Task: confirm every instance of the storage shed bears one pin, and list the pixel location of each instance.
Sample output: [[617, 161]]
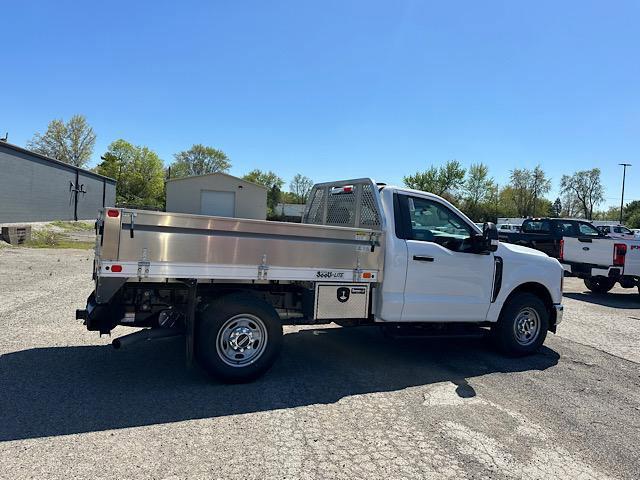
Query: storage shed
[[217, 194], [36, 188]]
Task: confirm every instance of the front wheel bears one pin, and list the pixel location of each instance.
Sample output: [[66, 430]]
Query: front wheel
[[523, 325], [238, 338], [599, 284]]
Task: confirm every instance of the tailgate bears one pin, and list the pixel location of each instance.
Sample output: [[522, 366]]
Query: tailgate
[[592, 251], [632, 259]]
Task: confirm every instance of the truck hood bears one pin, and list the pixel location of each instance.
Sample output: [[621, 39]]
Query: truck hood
[[520, 250]]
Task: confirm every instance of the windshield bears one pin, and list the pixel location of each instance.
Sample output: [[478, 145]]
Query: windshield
[[588, 230], [536, 226]]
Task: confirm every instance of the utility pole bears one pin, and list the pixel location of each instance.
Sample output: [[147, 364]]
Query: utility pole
[[624, 174]]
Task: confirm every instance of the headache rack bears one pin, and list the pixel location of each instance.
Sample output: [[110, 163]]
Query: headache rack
[[345, 203]]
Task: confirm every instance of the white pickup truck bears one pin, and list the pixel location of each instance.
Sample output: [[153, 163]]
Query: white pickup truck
[[365, 254], [602, 261]]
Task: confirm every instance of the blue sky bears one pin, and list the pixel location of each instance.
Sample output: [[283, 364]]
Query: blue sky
[[338, 89]]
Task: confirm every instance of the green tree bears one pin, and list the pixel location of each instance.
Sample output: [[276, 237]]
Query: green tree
[[477, 190], [444, 181], [631, 214], [70, 142], [544, 208], [273, 182], [300, 187], [570, 205], [556, 208], [288, 197], [587, 188], [139, 174], [199, 160], [507, 203], [611, 213], [492, 204], [527, 187]]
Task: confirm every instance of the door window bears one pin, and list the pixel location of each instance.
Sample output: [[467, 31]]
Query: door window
[[430, 221], [536, 226], [565, 229], [587, 230]]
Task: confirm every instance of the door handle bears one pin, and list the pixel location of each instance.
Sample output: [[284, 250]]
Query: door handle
[[584, 240], [422, 258]]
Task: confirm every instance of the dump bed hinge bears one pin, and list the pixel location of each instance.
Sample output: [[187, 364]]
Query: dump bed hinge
[[263, 268], [374, 240], [144, 264]]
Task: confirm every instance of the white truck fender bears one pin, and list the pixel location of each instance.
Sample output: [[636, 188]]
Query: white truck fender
[[535, 276]]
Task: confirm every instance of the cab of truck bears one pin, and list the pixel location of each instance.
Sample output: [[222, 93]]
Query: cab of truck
[[546, 234], [437, 268]]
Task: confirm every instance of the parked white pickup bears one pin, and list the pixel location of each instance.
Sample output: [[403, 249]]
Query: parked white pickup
[[602, 261]]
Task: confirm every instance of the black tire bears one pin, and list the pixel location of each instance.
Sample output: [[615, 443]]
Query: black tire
[[599, 284], [252, 324], [516, 316]]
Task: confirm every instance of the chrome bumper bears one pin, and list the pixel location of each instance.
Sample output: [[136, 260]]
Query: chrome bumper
[[559, 312]]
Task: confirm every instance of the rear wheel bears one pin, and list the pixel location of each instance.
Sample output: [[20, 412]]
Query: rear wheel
[[599, 284], [238, 338], [523, 325]]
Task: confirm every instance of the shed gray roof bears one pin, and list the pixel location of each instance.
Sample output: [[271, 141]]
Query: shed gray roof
[[11, 146], [237, 179]]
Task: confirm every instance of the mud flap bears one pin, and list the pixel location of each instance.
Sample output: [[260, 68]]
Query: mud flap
[[191, 319]]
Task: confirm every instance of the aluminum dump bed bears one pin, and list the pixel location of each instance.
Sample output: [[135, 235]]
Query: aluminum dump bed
[[334, 245]]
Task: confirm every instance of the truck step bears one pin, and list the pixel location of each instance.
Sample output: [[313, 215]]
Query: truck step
[[435, 331]]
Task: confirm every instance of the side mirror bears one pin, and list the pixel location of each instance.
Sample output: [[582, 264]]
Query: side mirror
[[490, 234]]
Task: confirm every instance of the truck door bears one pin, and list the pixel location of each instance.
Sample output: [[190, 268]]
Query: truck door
[[564, 229], [445, 280]]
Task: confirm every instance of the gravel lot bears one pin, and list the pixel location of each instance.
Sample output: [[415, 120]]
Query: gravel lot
[[339, 403]]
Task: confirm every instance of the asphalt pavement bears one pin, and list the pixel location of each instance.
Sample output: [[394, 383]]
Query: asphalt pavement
[[339, 402]]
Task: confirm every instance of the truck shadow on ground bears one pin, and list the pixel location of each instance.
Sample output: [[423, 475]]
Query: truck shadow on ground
[[66, 390], [615, 300]]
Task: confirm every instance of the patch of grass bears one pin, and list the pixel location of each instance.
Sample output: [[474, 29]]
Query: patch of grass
[[69, 226], [51, 239]]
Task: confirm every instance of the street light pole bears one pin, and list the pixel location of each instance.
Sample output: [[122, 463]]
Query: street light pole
[[624, 174]]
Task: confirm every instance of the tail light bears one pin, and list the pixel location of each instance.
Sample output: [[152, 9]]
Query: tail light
[[113, 213], [619, 252], [561, 253]]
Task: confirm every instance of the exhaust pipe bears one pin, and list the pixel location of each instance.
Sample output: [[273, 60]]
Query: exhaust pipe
[[145, 334]]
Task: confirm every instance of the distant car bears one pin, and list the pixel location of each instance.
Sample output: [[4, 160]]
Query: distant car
[[636, 231], [617, 231], [509, 227]]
